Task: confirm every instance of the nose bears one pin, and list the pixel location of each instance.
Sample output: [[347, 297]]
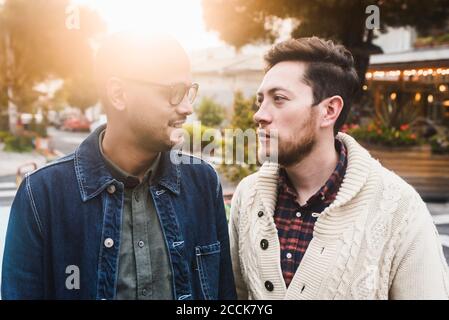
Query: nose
[[185, 108], [262, 116]]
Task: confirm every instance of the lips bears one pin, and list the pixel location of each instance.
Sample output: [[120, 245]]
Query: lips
[[177, 124]]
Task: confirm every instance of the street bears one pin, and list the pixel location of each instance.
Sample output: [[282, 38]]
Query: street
[[66, 142]]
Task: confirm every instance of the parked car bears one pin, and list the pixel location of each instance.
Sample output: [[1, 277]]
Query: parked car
[[101, 120], [76, 124]]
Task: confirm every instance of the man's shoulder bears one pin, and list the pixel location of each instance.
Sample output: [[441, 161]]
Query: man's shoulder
[[392, 182], [399, 197], [197, 170], [60, 167]]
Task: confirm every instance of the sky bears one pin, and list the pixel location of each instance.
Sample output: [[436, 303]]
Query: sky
[[180, 18]]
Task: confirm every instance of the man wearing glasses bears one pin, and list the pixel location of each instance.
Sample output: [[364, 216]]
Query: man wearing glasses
[[117, 219]]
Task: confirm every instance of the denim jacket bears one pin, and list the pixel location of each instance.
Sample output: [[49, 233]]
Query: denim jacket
[[63, 236]]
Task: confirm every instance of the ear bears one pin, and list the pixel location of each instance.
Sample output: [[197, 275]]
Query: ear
[[331, 109], [115, 90]]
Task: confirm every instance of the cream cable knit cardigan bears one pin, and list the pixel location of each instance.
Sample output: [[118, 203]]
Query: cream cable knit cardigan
[[375, 241]]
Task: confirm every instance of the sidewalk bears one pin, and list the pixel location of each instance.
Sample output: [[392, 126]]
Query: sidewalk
[[10, 161]]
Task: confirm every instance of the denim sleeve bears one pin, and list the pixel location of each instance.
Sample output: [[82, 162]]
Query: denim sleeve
[[226, 289], [22, 272]]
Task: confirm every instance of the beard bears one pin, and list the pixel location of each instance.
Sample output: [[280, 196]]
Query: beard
[[294, 150]]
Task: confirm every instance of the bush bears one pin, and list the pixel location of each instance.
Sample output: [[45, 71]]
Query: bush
[[378, 134], [20, 143], [210, 113], [4, 135]]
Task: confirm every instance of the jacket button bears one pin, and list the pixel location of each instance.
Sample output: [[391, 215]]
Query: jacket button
[[269, 285], [108, 243], [264, 244], [111, 189], [260, 214]]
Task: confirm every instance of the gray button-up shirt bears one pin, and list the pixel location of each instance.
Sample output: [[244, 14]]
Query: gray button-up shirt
[[144, 267]]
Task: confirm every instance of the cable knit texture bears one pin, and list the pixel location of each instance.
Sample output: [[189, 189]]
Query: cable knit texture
[[377, 239]]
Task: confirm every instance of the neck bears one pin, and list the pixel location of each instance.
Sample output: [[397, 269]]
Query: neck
[[122, 151], [309, 175]]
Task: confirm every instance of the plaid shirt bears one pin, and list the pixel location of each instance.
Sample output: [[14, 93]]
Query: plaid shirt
[[295, 223]]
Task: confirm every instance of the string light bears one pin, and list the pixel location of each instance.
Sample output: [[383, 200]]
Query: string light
[[407, 73]]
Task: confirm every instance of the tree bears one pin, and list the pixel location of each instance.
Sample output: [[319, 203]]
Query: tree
[[247, 21], [242, 118], [210, 113], [244, 110], [39, 46]]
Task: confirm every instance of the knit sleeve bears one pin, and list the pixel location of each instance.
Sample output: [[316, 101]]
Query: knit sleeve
[[422, 271]]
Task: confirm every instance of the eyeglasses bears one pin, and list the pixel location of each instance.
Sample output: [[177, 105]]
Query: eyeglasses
[[177, 92]]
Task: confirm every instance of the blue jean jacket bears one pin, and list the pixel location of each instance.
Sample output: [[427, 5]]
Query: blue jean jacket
[[64, 229]]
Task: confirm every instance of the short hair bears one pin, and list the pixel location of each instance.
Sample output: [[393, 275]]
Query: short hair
[[329, 69]]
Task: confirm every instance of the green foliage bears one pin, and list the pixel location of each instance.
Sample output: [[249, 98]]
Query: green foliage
[[4, 135], [244, 110], [20, 143], [393, 115], [210, 113]]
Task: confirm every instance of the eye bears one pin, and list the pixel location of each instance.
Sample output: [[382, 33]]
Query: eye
[[278, 98], [259, 101]]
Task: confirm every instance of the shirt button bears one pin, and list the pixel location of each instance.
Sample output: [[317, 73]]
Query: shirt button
[[288, 255], [264, 244], [141, 243], [269, 285], [298, 214], [108, 243], [111, 189], [260, 214]]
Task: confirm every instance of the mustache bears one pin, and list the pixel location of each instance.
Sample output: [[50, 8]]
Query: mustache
[[265, 133]]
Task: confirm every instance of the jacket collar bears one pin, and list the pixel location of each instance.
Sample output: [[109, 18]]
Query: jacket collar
[[355, 177], [93, 176]]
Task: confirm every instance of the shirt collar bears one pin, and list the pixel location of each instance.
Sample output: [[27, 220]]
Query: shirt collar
[[93, 176], [129, 180]]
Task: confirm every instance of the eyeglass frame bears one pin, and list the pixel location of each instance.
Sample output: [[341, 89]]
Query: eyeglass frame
[[170, 87]]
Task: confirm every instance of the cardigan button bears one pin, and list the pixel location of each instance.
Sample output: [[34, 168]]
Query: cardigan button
[[264, 244], [269, 285], [260, 214]]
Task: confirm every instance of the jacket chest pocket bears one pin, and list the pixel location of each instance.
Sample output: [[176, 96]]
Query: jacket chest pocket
[[208, 267]]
